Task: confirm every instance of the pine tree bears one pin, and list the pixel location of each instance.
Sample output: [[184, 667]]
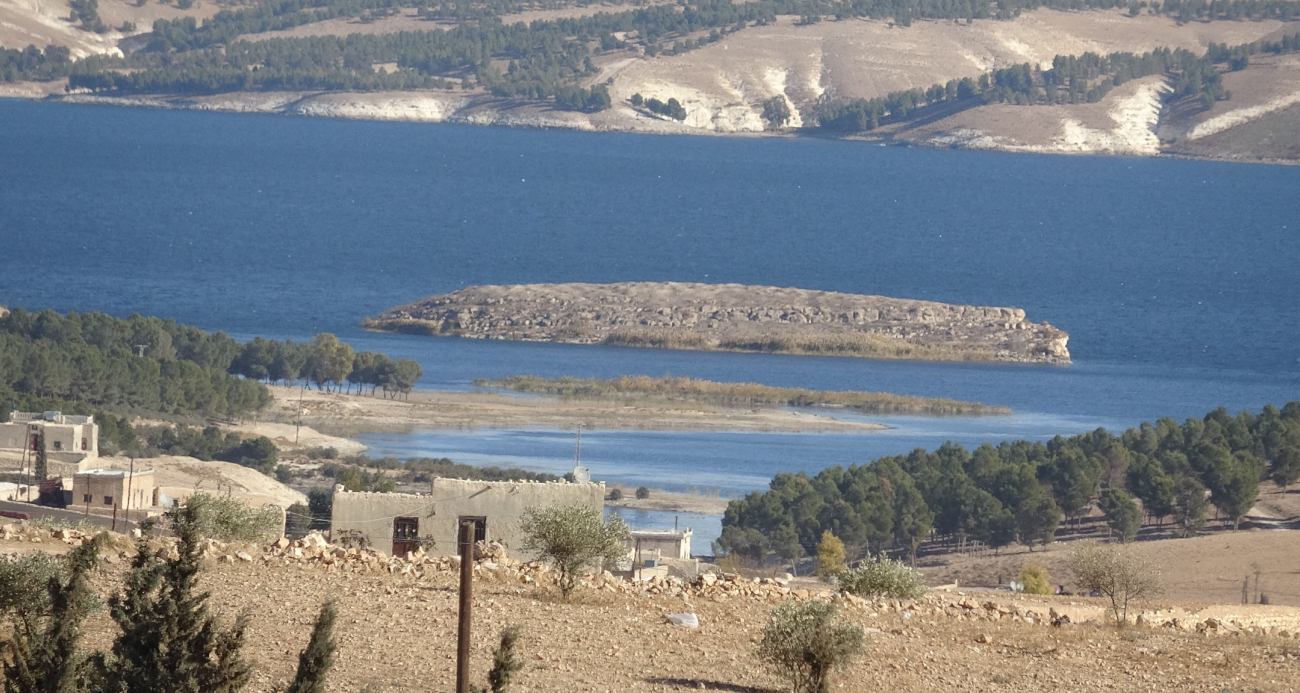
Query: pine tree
[[169, 641], [314, 662], [43, 656], [504, 662]]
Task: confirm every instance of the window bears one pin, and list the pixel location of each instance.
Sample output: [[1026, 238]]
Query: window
[[86, 498], [108, 500], [480, 528], [85, 444], [406, 528], [58, 445]]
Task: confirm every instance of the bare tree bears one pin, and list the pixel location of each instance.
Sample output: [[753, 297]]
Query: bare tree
[[1116, 574]]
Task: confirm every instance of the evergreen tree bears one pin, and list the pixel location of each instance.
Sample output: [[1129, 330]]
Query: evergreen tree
[[314, 662], [169, 641], [1037, 521], [1190, 505], [1121, 513], [42, 655], [1285, 469]]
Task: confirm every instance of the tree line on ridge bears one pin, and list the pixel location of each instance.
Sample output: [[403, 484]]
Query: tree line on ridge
[[155, 365], [1020, 491]]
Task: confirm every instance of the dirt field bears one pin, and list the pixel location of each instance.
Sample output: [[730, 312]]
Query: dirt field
[[1208, 568], [351, 414], [398, 633]]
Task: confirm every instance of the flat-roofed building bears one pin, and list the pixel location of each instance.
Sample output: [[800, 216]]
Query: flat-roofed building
[[68, 438], [100, 489], [398, 523]]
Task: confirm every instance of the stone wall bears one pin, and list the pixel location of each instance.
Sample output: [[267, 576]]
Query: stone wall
[[369, 517]]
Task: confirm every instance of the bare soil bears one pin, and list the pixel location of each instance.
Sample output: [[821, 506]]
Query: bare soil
[[1208, 568], [399, 633]]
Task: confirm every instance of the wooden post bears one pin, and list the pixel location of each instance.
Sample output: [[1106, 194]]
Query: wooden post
[[114, 517], [466, 602]]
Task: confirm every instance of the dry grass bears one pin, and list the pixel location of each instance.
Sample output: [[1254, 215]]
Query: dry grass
[[1205, 569], [736, 394]]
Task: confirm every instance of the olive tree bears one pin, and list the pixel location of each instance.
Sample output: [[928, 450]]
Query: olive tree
[[1116, 574], [806, 642], [575, 539]]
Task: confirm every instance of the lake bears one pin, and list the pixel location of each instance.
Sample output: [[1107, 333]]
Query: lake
[[1176, 279]]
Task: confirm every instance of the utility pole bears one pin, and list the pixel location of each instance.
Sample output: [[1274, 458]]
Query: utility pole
[[466, 603], [130, 479], [298, 424]]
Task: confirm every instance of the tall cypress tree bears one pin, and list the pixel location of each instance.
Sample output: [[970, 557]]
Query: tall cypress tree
[[170, 642], [41, 468], [314, 662]]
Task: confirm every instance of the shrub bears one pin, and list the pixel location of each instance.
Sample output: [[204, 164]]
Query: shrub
[[806, 642], [315, 662], [881, 577], [297, 521], [830, 555], [615, 495], [225, 519], [504, 663], [24, 585], [1035, 579], [642, 493], [1115, 574], [574, 539]]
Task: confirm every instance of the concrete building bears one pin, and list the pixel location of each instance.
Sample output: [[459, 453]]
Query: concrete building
[[660, 544], [396, 523], [104, 489], [68, 439]]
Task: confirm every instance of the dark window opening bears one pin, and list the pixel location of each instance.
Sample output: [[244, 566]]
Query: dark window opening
[[406, 535], [480, 529], [108, 500]]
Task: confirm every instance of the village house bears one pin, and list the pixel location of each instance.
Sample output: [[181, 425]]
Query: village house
[[109, 489], [660, 544], [398, 523], [69, 439]]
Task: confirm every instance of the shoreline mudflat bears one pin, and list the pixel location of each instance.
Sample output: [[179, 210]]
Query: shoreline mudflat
[[733, 317], [348, 415]]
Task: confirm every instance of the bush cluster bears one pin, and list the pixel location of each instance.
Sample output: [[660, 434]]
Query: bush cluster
[[881, 577]]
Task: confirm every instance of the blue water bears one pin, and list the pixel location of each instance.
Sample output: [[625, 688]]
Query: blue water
[[1176, 279]]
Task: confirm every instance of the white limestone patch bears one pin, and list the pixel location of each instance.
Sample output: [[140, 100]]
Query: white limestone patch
[[1136, 117], [1241, 116], [406, 107]]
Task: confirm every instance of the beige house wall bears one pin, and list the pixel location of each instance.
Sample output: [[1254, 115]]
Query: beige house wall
[[661, 544], [371, 516], [64, 442], [111, 487]]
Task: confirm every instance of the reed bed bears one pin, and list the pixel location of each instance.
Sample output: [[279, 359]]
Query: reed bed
[[747, 395]]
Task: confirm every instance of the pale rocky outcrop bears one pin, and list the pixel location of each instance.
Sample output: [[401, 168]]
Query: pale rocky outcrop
[[733, 317]]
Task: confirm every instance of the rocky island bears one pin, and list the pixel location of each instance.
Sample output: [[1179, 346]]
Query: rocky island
[[732, 317]]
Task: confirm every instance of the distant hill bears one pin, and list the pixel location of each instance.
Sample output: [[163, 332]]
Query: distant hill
[[774, 66]]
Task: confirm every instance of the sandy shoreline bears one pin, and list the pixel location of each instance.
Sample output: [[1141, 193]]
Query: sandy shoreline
[[344, 415]]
